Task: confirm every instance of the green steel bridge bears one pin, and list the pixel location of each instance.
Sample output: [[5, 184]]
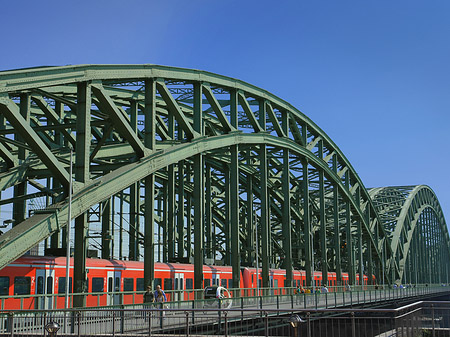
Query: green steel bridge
[[183, 165]]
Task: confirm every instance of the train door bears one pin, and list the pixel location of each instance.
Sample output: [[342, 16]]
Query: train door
[[44, 287], [113, 297], [215, 279], [179, 286]]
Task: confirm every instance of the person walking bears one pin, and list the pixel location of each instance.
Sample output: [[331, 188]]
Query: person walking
[[160, 298], [158, 288], [149, 296]]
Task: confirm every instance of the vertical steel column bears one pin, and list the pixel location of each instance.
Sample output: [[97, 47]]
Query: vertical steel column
[[121, 225], [180, 209], [434, 237], [307, 225], [189, 225], [19, 205], [323, 222], [149, 182], [208, 214], [348, 228], [265, 226], [83, 142], [337, 241], [359, 233], [198, 193], [369, 247], [227, 220], [165, 201], [171, 213], [234, 198], [423, 273], [170, 229], [106, 228], [59, 140], [134, 198], [251, 219], [286, 220]]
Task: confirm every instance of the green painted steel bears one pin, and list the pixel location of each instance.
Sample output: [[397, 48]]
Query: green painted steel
[[181, 165]]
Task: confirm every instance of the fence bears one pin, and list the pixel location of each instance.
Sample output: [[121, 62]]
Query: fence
[[418, 319], [337, 296]]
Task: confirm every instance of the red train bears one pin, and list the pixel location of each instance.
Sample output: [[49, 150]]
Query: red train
[[23, 282]]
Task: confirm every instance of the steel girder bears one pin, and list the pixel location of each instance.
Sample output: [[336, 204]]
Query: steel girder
[[207, 149]]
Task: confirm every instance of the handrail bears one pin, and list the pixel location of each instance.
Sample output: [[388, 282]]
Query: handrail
[[337, 296]]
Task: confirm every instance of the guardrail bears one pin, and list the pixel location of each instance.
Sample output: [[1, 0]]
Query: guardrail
[[56, 301], [418, 319]]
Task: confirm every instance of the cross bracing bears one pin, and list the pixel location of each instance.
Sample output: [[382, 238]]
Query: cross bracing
[[185, 165]]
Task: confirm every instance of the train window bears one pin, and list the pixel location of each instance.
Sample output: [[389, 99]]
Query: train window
[[117, 284], [86, 285], [128, 284], [4, 285], [253, 278], [189, 283], [62, 285], [49, 285], [40, 285], [298, 283], [230, 283], [98, 284], [207, 282], [139, 284], [167, 284], [223, 283], [157, 282], [22, 285], [304, 282]]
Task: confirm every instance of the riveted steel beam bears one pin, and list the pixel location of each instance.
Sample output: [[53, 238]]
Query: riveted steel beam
[[120, 123], [10, 110]]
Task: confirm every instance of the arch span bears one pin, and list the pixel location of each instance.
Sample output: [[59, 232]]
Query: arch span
[[201, 160]]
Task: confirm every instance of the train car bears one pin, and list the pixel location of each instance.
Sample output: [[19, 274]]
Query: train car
[[30, 275], [37, 276]]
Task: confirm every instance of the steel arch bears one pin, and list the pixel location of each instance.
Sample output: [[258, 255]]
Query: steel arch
[[413, 217], [205, 149]]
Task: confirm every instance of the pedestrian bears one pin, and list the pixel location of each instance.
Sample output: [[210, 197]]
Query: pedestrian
[[158, 288], [324, 289], [299, 291], [160, 298], [149, 296]]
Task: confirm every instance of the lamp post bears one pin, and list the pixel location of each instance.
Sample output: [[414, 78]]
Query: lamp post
[[52, 328], [295, 321]]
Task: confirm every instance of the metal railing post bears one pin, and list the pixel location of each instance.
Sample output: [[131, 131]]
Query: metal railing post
[[226, 323], [79, 323], [11, 324], [150, 316], [353, 325], [187, 324], [432, 318], [266, 324], [308, 319]]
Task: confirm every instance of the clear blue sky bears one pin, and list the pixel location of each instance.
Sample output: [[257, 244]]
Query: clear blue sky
[[374, 75]]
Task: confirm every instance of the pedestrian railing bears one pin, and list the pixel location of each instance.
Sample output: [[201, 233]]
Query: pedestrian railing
[[418, 319]]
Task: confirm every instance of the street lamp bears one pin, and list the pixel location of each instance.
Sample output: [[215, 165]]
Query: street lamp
[[295, 321], [52, 328]]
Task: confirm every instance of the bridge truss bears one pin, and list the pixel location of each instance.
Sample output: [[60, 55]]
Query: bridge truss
[[183, 165]]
